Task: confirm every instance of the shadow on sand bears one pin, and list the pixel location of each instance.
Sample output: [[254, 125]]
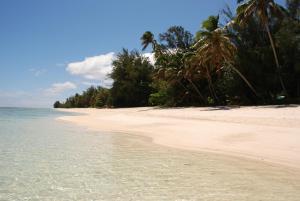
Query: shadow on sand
[[221, 107]]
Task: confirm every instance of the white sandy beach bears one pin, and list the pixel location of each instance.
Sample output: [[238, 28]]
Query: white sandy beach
[[269, 133]]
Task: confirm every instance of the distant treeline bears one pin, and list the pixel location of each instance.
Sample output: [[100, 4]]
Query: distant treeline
[[254, 58], [92, 97]]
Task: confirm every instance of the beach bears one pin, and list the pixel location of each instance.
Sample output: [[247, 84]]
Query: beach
[[45, 159], [268, 134]]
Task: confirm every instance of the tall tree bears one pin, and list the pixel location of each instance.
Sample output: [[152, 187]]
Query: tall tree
[[147, 39], [132, 75], [263, 10], [177, 38], [169, 55], [208, 27], [215, 51]]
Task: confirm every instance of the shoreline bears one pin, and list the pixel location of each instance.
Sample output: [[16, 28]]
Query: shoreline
[[264, 133]]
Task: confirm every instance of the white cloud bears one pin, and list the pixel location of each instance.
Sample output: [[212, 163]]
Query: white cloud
[[58, 88], [150, 56], [93, 68], [97, 68]]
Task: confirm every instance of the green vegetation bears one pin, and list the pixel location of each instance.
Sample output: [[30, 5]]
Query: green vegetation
[[92, 97], [132, 75], [253, 59]]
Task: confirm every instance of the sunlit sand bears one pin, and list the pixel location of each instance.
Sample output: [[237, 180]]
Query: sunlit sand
[[266, 134]]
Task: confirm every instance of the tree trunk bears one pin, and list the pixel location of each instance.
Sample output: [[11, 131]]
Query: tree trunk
[[298, 88], [197, 90], [245, 79], [210, 85], [276, 58]]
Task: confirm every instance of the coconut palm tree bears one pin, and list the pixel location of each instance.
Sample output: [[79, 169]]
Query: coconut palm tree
[[147, 39], [262, 9], [174, 71], [191, 74], [214, 52], [208, 27], [169, 64]]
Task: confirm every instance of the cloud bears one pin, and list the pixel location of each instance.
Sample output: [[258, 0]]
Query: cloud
[[93, 68], [150, 56], [38, 72], [58, 88], [97, 68]]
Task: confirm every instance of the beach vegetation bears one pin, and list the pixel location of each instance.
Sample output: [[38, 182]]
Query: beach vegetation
[[247, 57]]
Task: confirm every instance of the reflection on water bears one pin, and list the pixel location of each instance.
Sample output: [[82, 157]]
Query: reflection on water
[[42, 159]]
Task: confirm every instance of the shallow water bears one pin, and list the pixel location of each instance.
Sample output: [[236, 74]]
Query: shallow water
[[43, 159]]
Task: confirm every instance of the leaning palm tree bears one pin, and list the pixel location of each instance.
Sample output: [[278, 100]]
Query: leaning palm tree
[[147, 39], [214, 52], [191, 74], [262, 9], [209, 26], [173, 71]]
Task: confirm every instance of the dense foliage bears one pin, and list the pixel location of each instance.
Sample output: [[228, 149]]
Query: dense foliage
[[132, 75], [253, 59], [92, 97]]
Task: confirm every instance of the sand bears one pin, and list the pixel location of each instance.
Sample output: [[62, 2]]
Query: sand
[[268, 134]]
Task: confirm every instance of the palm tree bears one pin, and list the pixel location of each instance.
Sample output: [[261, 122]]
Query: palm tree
[[214, 52], [174, 71], [210, 25], [191, 74], [262, 10], [147, 39]]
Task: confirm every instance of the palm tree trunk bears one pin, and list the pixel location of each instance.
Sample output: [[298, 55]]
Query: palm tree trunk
[[156, 49], [298, 88], [197, 90], [275, 57], [179, 81], [245, 80], [210, 85]]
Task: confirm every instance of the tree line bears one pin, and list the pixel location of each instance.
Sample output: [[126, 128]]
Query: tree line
[[253, 58]]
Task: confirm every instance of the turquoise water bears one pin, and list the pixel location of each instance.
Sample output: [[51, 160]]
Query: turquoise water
[[44, 159]]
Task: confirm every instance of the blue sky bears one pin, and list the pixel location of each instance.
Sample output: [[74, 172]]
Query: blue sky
[[51, 49]]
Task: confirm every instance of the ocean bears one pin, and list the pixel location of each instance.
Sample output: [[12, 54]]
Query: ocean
[[45, 159]]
